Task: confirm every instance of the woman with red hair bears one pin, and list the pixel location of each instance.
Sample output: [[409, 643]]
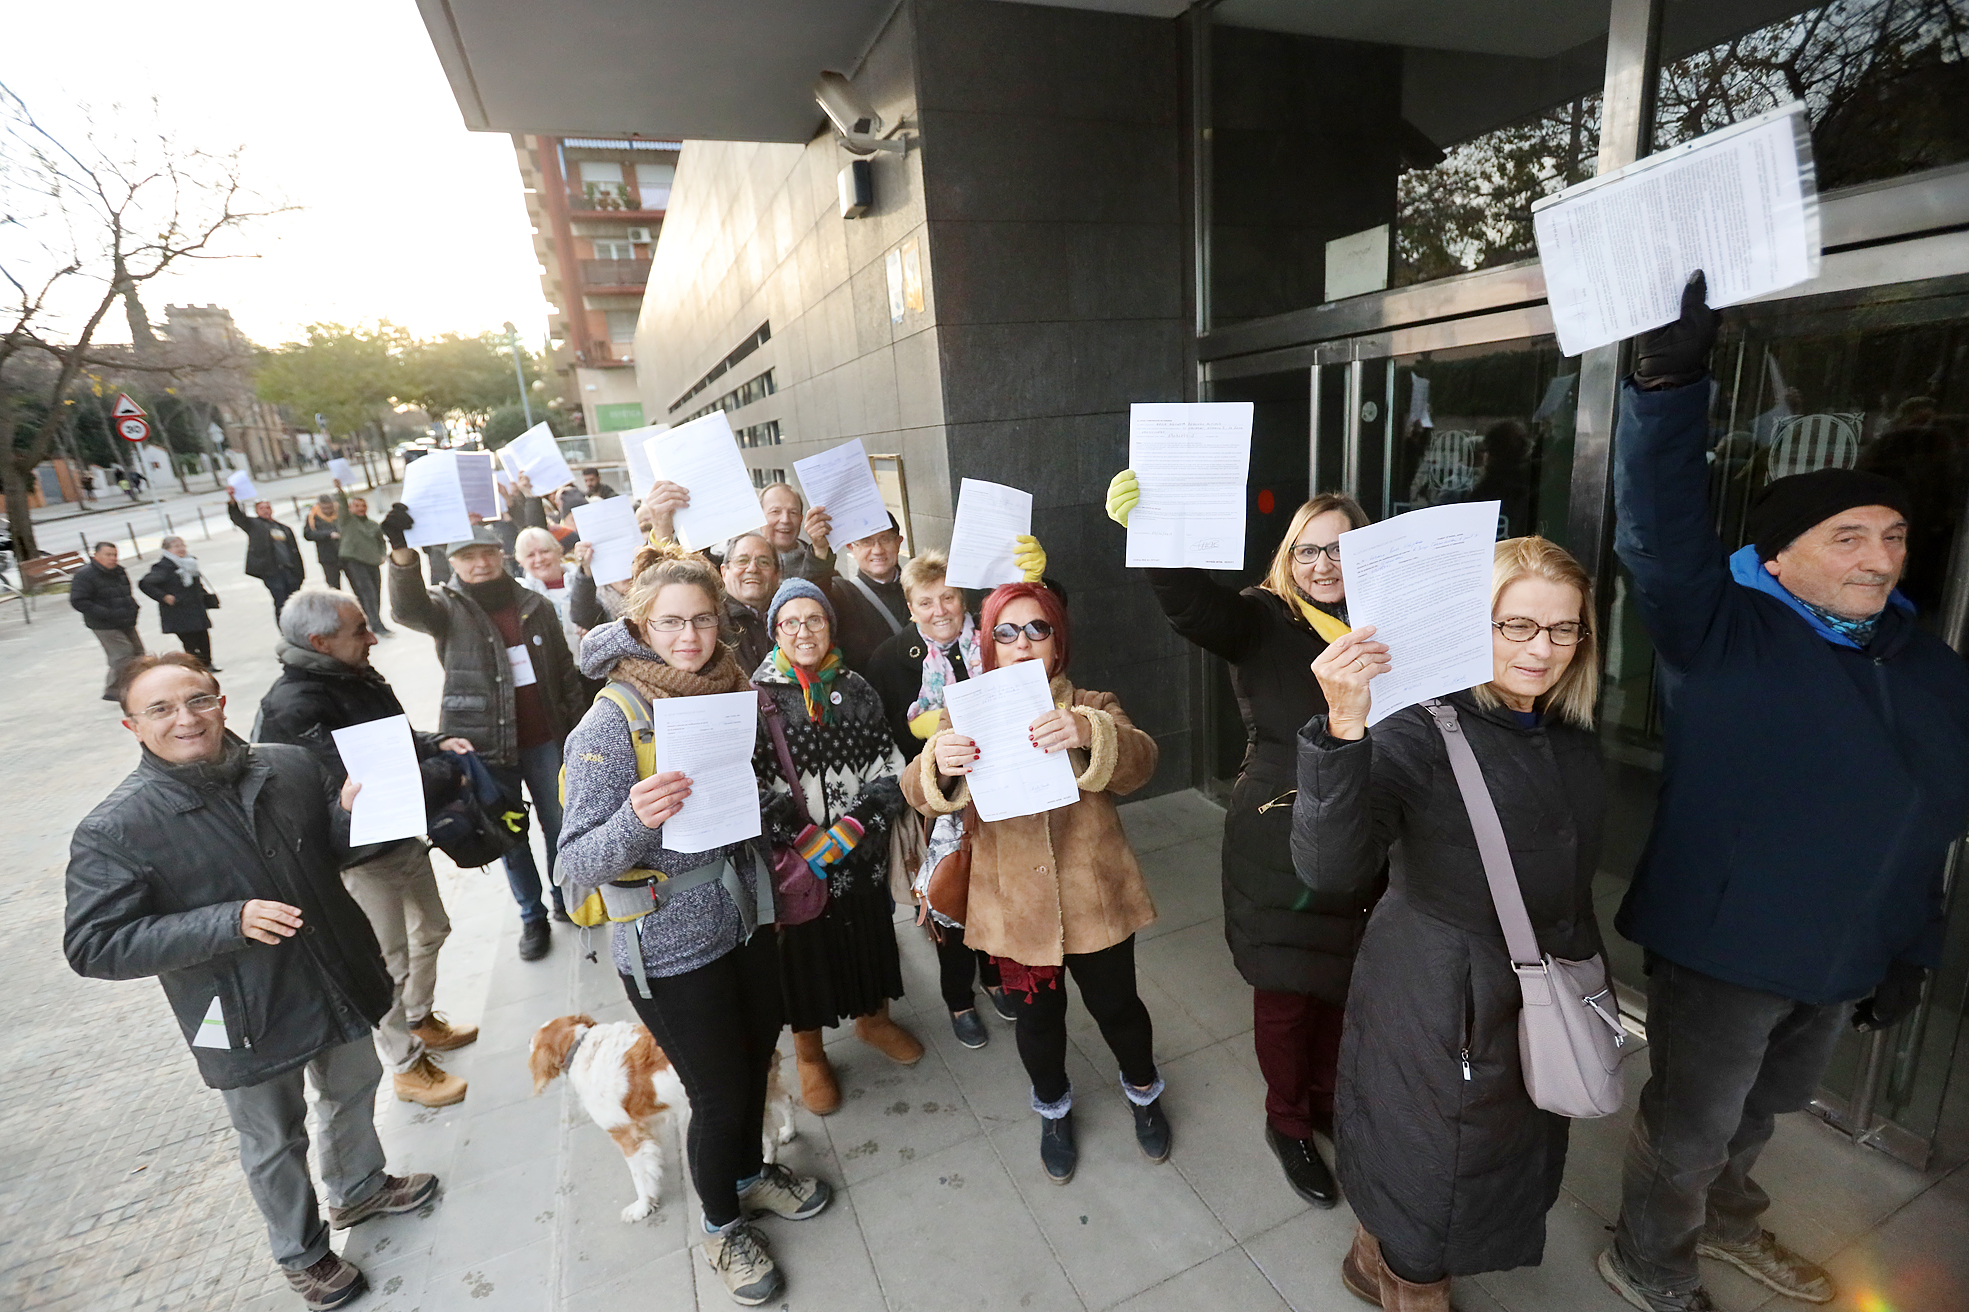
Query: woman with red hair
[[1059, 892]]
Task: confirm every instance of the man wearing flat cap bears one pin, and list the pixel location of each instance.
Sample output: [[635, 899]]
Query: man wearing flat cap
[[1816, 770]]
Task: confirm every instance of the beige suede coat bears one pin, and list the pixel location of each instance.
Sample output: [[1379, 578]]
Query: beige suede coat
[[1065, 880]]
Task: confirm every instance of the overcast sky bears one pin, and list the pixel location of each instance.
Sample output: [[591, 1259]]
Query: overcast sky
[[342, 110]]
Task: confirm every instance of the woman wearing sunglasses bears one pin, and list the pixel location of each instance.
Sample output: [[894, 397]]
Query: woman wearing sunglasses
[[1058, 893], [843, 963], [1295, 948]]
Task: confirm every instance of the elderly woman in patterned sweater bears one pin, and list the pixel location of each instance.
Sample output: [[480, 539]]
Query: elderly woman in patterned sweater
[[843, 963]]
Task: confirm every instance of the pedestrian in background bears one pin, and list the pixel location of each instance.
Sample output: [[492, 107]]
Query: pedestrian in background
[[784, 511], [361, 552], [544, 563], [870, 601], [1059, 893], [1448, 1164], [100, 590], [185, 601], [321, 526], [1293, 946], [750, 574], [272, 554], [1816, 771], [327, 683], [213, 868]]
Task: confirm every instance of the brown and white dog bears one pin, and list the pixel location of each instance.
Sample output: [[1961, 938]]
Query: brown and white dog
[[625, 1081]]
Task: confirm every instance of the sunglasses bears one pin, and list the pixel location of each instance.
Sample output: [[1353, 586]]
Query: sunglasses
[[1037, 630]]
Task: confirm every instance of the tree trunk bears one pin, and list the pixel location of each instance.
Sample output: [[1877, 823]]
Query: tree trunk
[[19, 519]]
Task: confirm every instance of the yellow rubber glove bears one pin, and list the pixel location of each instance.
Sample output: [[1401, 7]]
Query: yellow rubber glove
[[1029, 556], [1123, 495], [925, 725]]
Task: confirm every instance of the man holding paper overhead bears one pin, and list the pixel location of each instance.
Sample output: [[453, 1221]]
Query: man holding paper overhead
[[510, 687], [327, 683], [272, 554]]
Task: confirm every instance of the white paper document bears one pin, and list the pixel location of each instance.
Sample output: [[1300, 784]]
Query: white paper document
[[522, 665], [1740, 204], [709, 738], [610, 528], [436, 501], [341, 471], [476, 484], [242, 487], [989, 517], [840, 480], [702, 458], [1190, 461], [1423, 581], [1011, 777], [212, 1030], [641, 476], [380, 756], [536, 454]]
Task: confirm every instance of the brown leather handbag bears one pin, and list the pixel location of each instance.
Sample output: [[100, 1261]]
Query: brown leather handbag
[[948, 891]]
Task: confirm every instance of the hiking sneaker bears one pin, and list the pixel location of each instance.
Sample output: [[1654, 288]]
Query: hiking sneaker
[[970, 1031], [738, 1254], [1152, 1130], [535, 938], [1001, 1004], [1770, 1263], [330, 1282], [779, 1191], [400, 1193], [428, 1085], [440, 1035], [1649, 1300], [1056, 1148]]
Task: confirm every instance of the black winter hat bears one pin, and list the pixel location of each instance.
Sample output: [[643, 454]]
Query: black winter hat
[[1788, 506]]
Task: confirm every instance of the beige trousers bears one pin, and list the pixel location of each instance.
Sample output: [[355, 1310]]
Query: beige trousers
[[398, 891]]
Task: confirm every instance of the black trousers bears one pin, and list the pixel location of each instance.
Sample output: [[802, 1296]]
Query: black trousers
[[958, 965], [1107, 987], [199, 644], [719, 1025], [366, 582]]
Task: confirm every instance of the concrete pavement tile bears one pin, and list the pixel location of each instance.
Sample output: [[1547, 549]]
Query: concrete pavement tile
[[1228, 1282], [951, 1232], [995, 1084], [825, 1259], [663, 1284], [509, 1027], [511, 1281], [1567, 1280], [1918, 1259], [1216, 1107], [1826, 1190], [1194, 966], [390, 1240], [890, 1115], [496, 1139], [395, 1285], [598, 1246], [1302, 1259], [1177, 1033], [496, 1215], [1186, 882], [498, 1078]]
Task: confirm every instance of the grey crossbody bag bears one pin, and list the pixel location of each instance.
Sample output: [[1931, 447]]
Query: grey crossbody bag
[[1570, 1041]]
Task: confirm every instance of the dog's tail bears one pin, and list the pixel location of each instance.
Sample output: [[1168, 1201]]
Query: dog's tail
[[547, 1058]]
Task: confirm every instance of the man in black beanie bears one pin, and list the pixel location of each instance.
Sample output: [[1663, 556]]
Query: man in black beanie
[[1816, 770]]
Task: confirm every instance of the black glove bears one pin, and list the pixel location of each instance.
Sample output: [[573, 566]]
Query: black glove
[[1677, 353], [397, 523], [1893, 998]]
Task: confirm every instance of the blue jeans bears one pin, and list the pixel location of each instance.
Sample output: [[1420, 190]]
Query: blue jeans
[[540, 770]]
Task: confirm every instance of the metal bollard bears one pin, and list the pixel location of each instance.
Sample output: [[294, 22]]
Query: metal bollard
[[135, 549], [203, 525], [84, 539]]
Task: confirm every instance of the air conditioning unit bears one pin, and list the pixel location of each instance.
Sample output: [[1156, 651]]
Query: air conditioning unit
[[640, 234]]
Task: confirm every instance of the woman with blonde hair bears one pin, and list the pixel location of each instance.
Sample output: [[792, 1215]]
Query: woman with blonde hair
[[1295, 948], [1448, 1164]]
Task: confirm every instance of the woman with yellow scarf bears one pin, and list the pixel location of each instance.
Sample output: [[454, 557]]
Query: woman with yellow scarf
[[1294, 947]]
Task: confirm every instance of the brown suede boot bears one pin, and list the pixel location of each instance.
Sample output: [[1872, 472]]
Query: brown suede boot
[[818, 1088], [888, 1038], [1367, 1277]]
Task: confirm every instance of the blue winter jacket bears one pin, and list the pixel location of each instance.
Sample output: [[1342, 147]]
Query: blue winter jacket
[[1810, 788]]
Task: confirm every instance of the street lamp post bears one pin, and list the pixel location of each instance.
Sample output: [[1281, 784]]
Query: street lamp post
[[519, 375]]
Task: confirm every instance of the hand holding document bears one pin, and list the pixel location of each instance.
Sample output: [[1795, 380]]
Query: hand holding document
[[609, 527], [1011, 776], [1190, 462], [242, 487], [1740, 204], [634, 456], [989, 517], [840, 481], [536, 454], [1423, 581], [709, 739], [379, 756], [702, 457], [341, 471], [436, 500]]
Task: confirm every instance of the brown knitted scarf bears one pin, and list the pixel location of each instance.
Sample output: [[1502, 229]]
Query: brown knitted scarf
[[654, 679]]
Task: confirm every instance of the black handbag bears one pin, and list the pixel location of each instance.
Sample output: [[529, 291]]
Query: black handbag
[[211, 597]]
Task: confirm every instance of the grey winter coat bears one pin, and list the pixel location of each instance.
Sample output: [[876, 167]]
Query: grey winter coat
[[601, 838], [158, 873], [1449, 1165], [478, 679]]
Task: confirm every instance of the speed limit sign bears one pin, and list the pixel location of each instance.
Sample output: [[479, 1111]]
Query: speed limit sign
[[132, 429]]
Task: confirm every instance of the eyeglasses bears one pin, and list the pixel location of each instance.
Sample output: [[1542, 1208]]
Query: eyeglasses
[[811, 624], [1564, 634], [675, 623], [203, 704], [1037, 630], [1308, 553]]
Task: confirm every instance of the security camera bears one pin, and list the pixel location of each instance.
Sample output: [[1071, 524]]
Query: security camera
[[854, 119]]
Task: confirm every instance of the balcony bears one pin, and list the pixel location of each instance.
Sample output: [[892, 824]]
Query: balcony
[[597, 274], [616, 199]]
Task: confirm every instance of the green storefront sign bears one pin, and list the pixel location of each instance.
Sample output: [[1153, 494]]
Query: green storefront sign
[[618, 416]]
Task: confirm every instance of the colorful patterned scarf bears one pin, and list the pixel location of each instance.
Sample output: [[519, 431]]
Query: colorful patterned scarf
[[1858, 632], [937, 670], [816, 686]]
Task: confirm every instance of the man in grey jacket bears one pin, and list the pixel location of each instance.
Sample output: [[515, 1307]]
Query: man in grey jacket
[[213, 866]]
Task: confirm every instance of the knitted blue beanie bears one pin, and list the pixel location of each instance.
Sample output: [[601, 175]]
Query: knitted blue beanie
[[792, 590]]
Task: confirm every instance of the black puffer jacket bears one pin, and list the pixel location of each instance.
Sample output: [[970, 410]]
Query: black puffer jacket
[[104, 597], [1446, 1168], [186, 612], [1283, 936], [270, 546], [158, 873]]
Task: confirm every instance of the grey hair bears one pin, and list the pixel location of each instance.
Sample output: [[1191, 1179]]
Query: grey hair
[[313, 613], [164, 544], [731, 543]]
